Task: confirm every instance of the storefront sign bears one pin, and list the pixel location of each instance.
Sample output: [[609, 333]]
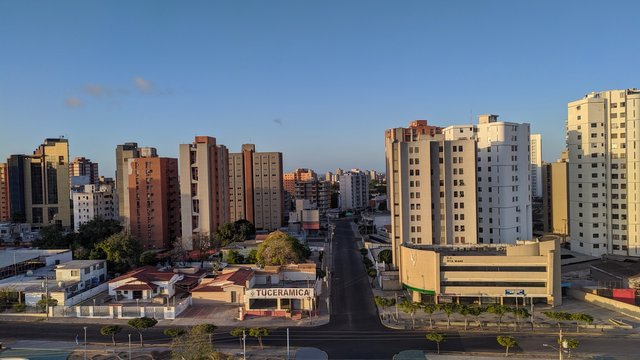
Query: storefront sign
[[280, 293]]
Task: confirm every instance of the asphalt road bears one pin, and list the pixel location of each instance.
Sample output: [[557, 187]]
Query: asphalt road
[[354, 331]]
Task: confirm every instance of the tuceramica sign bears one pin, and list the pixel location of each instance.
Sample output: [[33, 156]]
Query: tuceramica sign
[[280, 293]]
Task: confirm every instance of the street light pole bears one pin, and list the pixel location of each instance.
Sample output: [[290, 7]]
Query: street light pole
[[129, 346], [560, 346], [85, 342], [244, 345]]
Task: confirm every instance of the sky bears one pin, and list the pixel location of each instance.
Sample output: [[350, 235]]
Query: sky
[[319, 81]]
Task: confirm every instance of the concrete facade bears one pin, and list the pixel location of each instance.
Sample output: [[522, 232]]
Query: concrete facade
[[95, 201], [154, 201], [536, 165], [81, 166], [603, 137], [124, 152], [291, 178], [5, 206], [317, 192], [256, 187], [555, 197], [354, 190], [204, 188], [483, 273]]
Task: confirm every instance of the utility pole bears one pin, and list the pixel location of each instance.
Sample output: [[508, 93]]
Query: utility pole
[[85, 342], [244, 345], [46, 296], [129, 347], [288, 348], [560, 346], [397, 307]]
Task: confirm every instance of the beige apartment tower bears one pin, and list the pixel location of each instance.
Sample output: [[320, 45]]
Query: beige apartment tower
[[256, 187], [204, 188], [431, 189], [603, 139], [555, 198], [124, 152]]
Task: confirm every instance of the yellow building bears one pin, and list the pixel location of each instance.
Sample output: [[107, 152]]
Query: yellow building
[[493, 273], [555, 197]]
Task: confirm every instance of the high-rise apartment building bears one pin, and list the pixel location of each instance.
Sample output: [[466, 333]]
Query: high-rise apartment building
[[536, 165], [204, 188], [124, 152], [154, 200], [503, 179], [354, 190], [84, 167], [318, 193], [555, 197], [5, 213], [39, 185], [603, 138], [431, 188], [95, 201], [291, 178], [256, 187]]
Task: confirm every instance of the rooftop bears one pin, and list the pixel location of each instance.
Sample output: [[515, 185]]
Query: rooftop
[[9, 257], [78, 264]]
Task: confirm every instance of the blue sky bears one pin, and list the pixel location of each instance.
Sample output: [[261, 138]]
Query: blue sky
[[319, 81]]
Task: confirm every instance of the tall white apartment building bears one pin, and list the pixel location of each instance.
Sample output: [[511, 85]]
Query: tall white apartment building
[[603, 139], [95, 201], [354, 190], [204, 188], [536, 165]]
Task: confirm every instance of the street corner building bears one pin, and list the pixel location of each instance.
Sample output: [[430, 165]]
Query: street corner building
[[525, 272]]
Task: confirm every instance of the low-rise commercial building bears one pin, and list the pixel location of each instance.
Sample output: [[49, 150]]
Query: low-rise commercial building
[[490, 273]]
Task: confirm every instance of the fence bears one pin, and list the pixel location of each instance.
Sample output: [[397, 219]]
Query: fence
[[121, 311]]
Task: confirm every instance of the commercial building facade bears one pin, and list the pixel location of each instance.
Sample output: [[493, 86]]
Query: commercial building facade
[[255, 187], [603, 137], [204, 188], [154, 200], [484, 273]]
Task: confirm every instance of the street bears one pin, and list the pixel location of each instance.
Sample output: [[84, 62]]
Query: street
[[354, 331]]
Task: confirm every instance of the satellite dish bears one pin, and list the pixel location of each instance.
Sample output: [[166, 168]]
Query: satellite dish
[[30, 273]]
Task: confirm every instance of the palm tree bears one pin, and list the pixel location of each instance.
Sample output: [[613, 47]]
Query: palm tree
[[436, 338], [448, 309], [507, 342], [429, 309]]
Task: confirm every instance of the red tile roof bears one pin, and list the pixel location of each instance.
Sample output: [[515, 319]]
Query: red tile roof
[[146, 274], [238, 277]]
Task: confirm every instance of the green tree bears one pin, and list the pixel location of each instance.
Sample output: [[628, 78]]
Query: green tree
[[465, 311], [436, 338], [19, 307], [111, 330], [148, 258], [385, 256], [191, 347], [476, 311], [205, 329], [259, 333], [581, 317], [410, 307], [121, 251], [557, 316], [174, 332], [95, 231], [252, 258], [499, 311], [227, 233], [52, 237], [448, 309], [372, 273], [384, 302], [141, 324], [281, 249], [569, 344], [239, 332], [44, 303], [429, 309], [234, 257], [245, 229], [519, 313], [507, 342]]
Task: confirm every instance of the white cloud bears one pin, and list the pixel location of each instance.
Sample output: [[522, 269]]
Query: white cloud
[[95, 89], [73, 101], [143, 84]]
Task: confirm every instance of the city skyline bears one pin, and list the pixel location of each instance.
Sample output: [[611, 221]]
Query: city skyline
[[295, 78]]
